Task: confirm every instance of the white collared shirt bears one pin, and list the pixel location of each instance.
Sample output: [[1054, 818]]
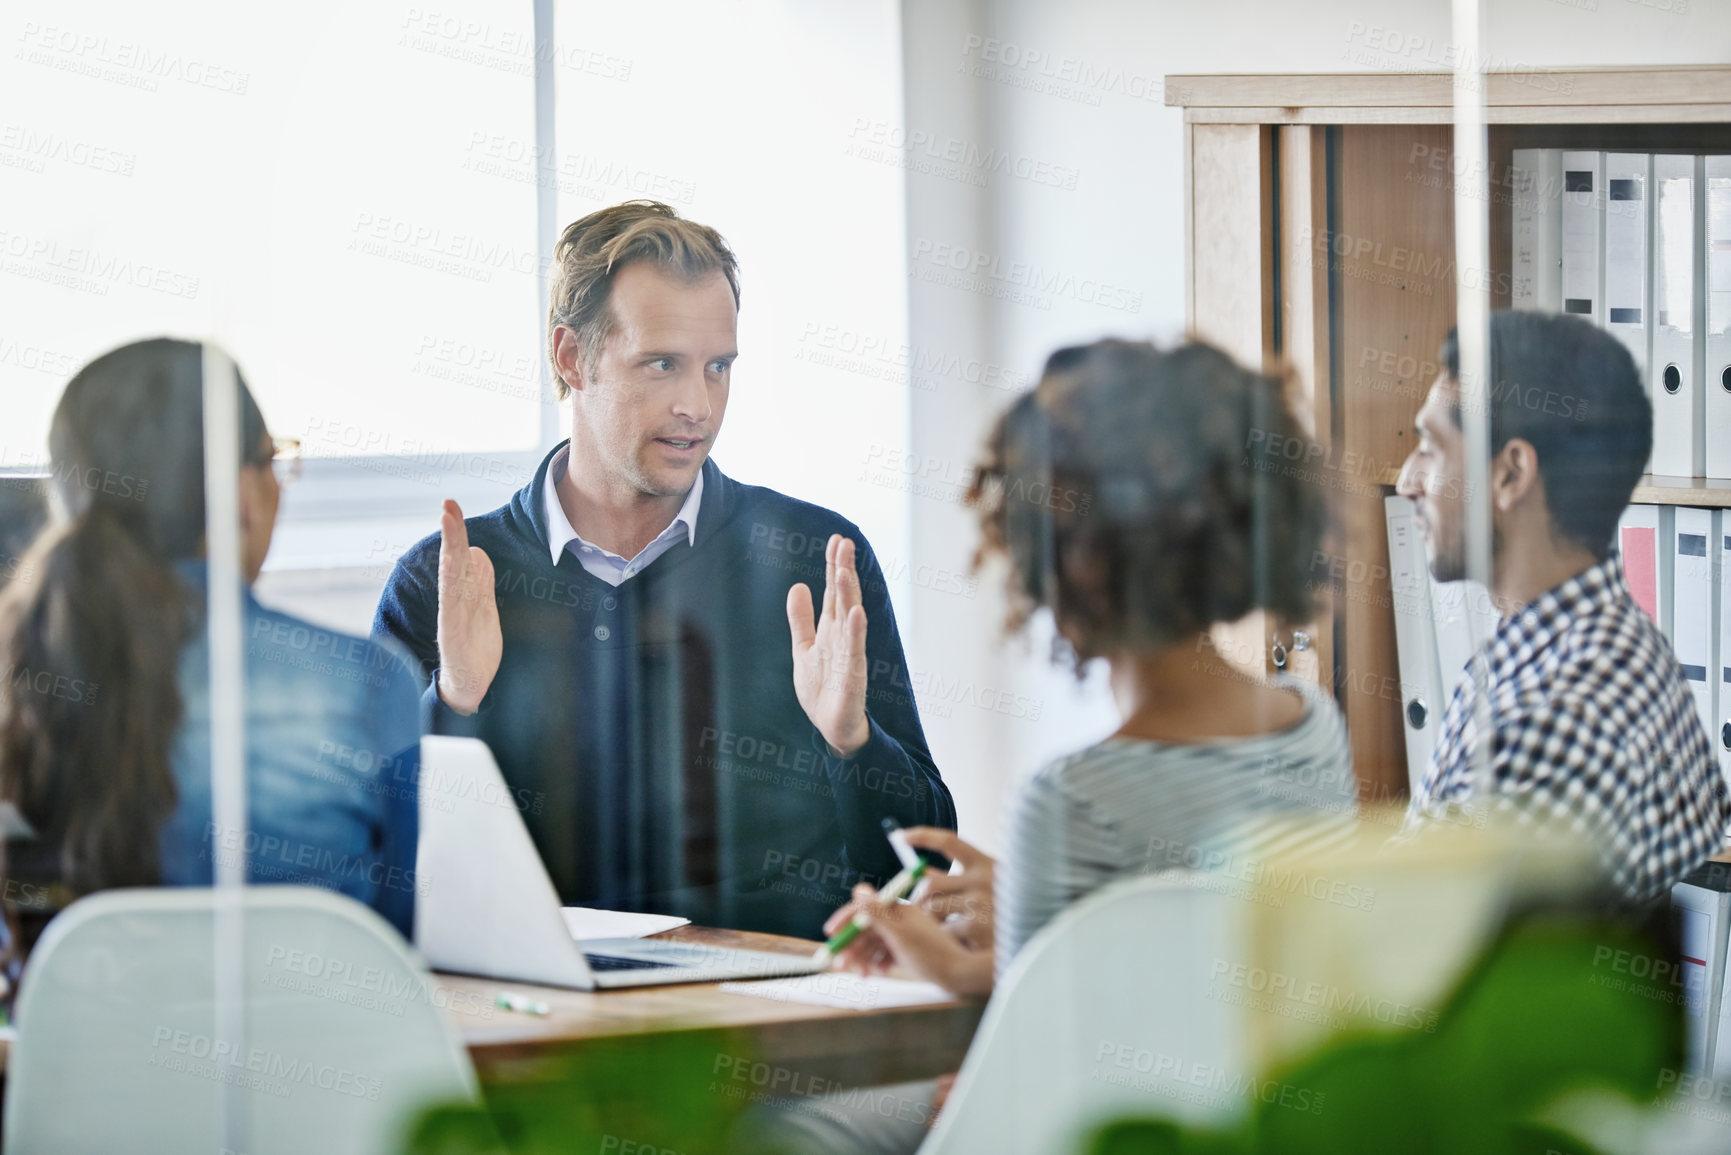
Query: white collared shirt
[[604, 564]]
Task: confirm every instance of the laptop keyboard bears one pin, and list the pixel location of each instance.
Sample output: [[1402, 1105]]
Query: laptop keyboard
[[609, 962]]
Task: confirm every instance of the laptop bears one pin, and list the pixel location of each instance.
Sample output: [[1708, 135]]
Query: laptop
[[485, 906]]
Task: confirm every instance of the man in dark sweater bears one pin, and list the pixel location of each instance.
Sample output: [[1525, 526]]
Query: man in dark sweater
[[634, 636]]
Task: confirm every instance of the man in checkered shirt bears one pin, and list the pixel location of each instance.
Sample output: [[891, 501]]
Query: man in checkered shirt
[[1591, 724]]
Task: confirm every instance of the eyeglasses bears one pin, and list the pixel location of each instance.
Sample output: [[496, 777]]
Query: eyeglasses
[[285, 460]]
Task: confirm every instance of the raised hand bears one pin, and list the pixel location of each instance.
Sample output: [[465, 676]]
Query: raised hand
[[829, 656], [470, 641]]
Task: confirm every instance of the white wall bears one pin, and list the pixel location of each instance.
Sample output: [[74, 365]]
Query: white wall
[[752, 108], [1068, 88]]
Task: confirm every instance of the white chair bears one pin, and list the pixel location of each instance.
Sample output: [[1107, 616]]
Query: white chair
[[118, 1052], [1174, 996], [1107, 1013]]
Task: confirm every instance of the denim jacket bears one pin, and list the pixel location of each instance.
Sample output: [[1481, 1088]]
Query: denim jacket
[[333, 755]]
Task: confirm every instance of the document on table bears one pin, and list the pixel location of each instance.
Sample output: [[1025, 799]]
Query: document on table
[[843, 990], [585, 923]]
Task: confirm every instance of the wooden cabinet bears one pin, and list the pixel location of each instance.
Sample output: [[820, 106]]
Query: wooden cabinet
[[1319, 232]]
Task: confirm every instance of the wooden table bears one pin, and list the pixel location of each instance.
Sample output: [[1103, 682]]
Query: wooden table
[[842, 1047]]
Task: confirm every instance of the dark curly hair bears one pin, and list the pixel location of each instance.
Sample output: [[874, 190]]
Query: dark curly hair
[[1131, 495]]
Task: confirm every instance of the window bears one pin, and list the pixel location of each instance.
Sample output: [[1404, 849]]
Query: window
[[347, 202], [310, 192]]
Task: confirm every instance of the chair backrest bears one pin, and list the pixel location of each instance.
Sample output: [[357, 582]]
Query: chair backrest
[[1111, 1011], [118, 1047]]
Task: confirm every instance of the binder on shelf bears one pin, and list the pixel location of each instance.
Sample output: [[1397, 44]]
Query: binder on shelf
[[1482, 616], [1642, 541], [1721, 734], [1628, 176], [1693, 636], [1423, 697], [1462, 616], [1702, 901], [1716, 380], [1536, 230], [1678, 270], [1583, 230]]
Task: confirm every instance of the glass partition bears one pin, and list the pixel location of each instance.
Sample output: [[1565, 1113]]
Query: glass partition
[[760, 576]]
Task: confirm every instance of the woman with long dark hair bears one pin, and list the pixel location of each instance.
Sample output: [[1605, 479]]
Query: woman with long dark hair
[[104, 676]]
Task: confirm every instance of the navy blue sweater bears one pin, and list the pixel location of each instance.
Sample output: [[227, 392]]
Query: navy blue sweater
[[650, 731]]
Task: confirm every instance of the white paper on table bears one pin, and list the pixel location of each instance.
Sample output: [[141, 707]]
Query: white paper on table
[[585, 923], [844, 990]]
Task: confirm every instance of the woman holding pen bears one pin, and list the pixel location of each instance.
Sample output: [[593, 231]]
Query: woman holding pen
[[1133, 499]]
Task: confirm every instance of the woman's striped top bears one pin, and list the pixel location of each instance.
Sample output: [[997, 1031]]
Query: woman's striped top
[[1132, 806]]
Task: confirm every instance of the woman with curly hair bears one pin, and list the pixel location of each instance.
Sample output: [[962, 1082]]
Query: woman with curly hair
[[1129, 498]]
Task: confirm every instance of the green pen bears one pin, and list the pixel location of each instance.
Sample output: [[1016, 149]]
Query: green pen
[[897, 888]]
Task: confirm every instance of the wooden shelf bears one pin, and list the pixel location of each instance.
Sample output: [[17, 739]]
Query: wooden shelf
[[1700, 492], [1588, 114], [1684, 94], [1277, 168], [1703, 492]]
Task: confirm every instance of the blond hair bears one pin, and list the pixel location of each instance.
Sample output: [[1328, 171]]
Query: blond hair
[[593, 249]]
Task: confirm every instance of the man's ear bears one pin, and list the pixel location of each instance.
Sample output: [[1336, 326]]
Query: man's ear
[[1514, 474], [567, 356]]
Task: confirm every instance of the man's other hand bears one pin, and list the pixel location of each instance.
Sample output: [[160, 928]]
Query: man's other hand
[[829, 656], [470, 641]]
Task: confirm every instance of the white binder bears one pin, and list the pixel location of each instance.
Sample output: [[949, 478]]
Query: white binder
[[1677, 348], [1703, 905], [1628, 176], [1646, 550], [1462, 616], [1423, 697], [1716, 381], [1721, 734], [1693, 636], [1536, 177], [1583, 227], [1482, 616]]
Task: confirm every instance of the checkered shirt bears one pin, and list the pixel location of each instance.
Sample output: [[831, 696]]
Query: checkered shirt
[[1593, 728]]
